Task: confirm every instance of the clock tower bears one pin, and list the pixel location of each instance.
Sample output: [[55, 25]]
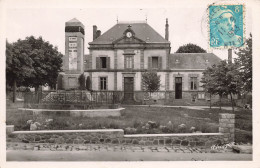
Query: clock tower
[[73, 63]]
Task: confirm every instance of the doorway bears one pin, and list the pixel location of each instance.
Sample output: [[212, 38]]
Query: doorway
[[128, 88], [178, 87]]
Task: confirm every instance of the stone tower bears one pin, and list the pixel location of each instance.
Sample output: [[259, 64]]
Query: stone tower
[[73, 63]]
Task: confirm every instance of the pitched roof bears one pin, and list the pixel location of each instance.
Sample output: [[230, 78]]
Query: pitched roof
[[142, 31], [74, 22], [192, 60]]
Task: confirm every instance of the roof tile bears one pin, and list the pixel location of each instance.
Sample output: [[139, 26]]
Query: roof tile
[[192, 60], [142, 31]]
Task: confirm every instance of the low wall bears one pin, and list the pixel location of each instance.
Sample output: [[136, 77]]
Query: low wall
[[77, 113], [116, 136]]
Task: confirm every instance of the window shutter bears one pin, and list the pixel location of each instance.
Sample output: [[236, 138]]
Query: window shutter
[[160, 63], [125, 62], [149, 62], [197, 83], [132, 58], [189, 82], [86, 66], [108, 62], [97, 62], [99, 83], [106, 83]]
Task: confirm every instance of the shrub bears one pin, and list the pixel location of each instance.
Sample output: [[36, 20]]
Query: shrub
[[59, 83], [88, 84], [82, 80]]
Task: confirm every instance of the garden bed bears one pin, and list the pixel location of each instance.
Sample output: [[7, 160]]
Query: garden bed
[[140, 120]]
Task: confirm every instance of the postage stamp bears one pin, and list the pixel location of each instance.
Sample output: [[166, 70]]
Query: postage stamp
[[226, 26]]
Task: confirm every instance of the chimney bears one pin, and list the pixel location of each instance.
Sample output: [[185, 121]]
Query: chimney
[[94, 32], [229, 56], [98, 33], [167, 30]]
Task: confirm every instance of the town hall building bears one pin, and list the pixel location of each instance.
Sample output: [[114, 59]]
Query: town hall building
[[118, 58]]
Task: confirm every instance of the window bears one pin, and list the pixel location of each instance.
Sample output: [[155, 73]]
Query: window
[[201, 95], [155, 61], [103, 83], [129, 62], [72, 38], [103, 62], [193, 83], [72, 45]]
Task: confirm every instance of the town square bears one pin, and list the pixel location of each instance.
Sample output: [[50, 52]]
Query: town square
[[98, 83]]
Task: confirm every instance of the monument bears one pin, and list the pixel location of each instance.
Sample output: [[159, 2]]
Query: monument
[[73, 62]]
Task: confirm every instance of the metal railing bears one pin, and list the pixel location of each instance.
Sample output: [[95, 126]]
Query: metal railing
[[73, 97]]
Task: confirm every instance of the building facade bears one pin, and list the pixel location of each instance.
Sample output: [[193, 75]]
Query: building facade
[[118, 58]]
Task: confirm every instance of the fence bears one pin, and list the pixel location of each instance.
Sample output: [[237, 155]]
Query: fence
[[18, 94], [63, 97], [73, 97]]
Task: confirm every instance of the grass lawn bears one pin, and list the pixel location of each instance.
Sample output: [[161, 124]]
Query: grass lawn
[[134, 120]]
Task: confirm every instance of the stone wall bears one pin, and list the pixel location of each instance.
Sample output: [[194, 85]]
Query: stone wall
[[227, 126], [193, 139], [70, 136], [116, 136]]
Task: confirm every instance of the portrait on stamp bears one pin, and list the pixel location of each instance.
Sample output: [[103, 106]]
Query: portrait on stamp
[[226, 26]]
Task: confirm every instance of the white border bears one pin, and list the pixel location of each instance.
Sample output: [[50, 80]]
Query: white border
[[254, 4]]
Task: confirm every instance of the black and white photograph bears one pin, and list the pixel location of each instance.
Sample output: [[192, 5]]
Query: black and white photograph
[[129, 83]]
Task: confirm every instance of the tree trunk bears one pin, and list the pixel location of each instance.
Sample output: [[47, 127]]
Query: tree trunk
[[220, 97], [210, 100], [232, 102], [36, 93], [14, 91]]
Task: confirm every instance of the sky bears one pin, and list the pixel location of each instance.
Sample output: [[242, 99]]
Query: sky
[[187, 21], [46, 18]]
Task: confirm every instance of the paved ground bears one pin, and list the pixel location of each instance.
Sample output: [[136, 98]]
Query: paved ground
[[16, 155], [107, 148], [101, 152]]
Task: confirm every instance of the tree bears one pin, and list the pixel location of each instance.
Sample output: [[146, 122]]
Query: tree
[[245, 62], [47, 62], [208, 82], [82, 80], [151, 81], [59, 82], [19, 64], [88, 84], [190, 48], [222, 79], [32, 62]]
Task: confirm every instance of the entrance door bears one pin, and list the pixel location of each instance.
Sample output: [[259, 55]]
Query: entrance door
[[128, 88], [178, 87]]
